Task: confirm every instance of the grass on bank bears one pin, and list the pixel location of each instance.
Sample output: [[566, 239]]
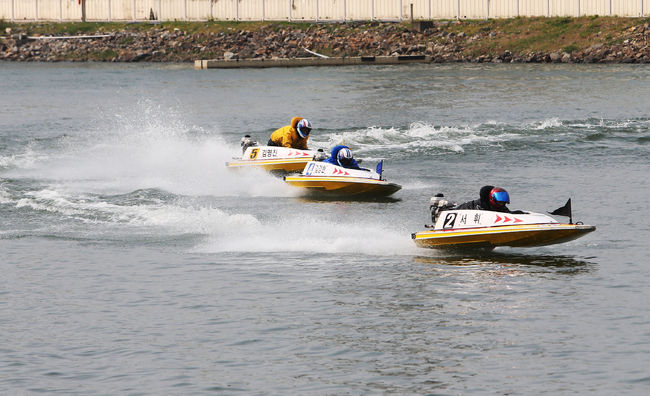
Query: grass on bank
[[523, 35], [76, 28]]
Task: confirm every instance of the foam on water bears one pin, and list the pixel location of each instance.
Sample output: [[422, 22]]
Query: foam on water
[[172, 217], [576, 126], [5, 197], [313, 235], [146, 147], [25, 159], [420, 138], [546, 124], [222, 231]]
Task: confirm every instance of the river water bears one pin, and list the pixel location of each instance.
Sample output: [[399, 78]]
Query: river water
[[134, 263]]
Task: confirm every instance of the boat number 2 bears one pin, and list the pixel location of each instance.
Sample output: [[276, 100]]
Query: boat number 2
[[254, 153], [449, 220]]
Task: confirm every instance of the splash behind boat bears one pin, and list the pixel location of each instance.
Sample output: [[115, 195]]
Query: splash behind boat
[[325, 179], [463, 229]]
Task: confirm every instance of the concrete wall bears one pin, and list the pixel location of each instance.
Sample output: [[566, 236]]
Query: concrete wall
[[311, 10]]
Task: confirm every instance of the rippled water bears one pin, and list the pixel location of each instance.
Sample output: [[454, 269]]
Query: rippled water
[[134, 263]]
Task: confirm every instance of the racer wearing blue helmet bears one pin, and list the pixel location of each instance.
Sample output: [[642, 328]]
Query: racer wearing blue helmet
[[342, 156]]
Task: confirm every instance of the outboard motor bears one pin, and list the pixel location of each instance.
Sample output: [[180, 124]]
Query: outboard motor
[[320, 155], [246, 142], [438, 204]]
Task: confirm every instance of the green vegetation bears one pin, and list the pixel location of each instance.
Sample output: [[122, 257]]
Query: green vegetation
[[570, 48], [524, 35], [127, 40], [513, 30], [105, 55]]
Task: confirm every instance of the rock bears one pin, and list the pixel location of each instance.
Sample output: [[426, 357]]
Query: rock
[[141, 56], [349, 39]]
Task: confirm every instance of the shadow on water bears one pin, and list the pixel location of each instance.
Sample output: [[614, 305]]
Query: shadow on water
[[560, 264]]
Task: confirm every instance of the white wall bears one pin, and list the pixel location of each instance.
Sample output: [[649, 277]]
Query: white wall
[[312, 10]]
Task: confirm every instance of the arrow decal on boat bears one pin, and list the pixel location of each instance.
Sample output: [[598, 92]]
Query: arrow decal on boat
[[304, 154], [507, 219]]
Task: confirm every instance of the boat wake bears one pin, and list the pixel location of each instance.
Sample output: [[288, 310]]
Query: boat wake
[[420, 138], [313, 236]]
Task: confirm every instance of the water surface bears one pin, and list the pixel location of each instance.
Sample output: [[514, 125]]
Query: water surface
[[134, 263]]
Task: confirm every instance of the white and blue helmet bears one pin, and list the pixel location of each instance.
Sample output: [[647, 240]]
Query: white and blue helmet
[[303, 128], [344, 157]]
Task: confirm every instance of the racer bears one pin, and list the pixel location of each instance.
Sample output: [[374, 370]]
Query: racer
[[491, 198], [294, 135], [342, 156]]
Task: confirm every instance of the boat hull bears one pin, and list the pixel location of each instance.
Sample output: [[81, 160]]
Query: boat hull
[[525, 235], [343, 186], [274, 159], [285, 165]]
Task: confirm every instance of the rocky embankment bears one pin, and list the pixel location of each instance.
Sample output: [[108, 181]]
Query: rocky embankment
[[443, 42]]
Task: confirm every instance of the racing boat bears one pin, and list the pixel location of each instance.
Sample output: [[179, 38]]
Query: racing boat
[[463, 229], [325, 179], [272, 158]]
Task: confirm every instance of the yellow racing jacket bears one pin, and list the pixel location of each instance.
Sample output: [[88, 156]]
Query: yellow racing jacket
[[287, 136]]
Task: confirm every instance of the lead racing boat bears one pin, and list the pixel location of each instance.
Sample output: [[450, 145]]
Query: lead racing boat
[[467, 229], [272, 158], [326, 179]]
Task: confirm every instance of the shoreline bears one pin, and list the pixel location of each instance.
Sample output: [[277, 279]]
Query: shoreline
[[517, 40]]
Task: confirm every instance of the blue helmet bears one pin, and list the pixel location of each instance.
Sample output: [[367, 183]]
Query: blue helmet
[[303, 128], [499, 197], [344, 157]]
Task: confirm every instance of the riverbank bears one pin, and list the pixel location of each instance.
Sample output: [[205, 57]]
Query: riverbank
[[518, 40]]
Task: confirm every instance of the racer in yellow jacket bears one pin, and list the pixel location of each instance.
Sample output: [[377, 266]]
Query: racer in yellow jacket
[[292, 136]]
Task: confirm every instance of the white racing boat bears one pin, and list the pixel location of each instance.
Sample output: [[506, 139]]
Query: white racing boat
[[325, 179], [272, 158], [463, 229]]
